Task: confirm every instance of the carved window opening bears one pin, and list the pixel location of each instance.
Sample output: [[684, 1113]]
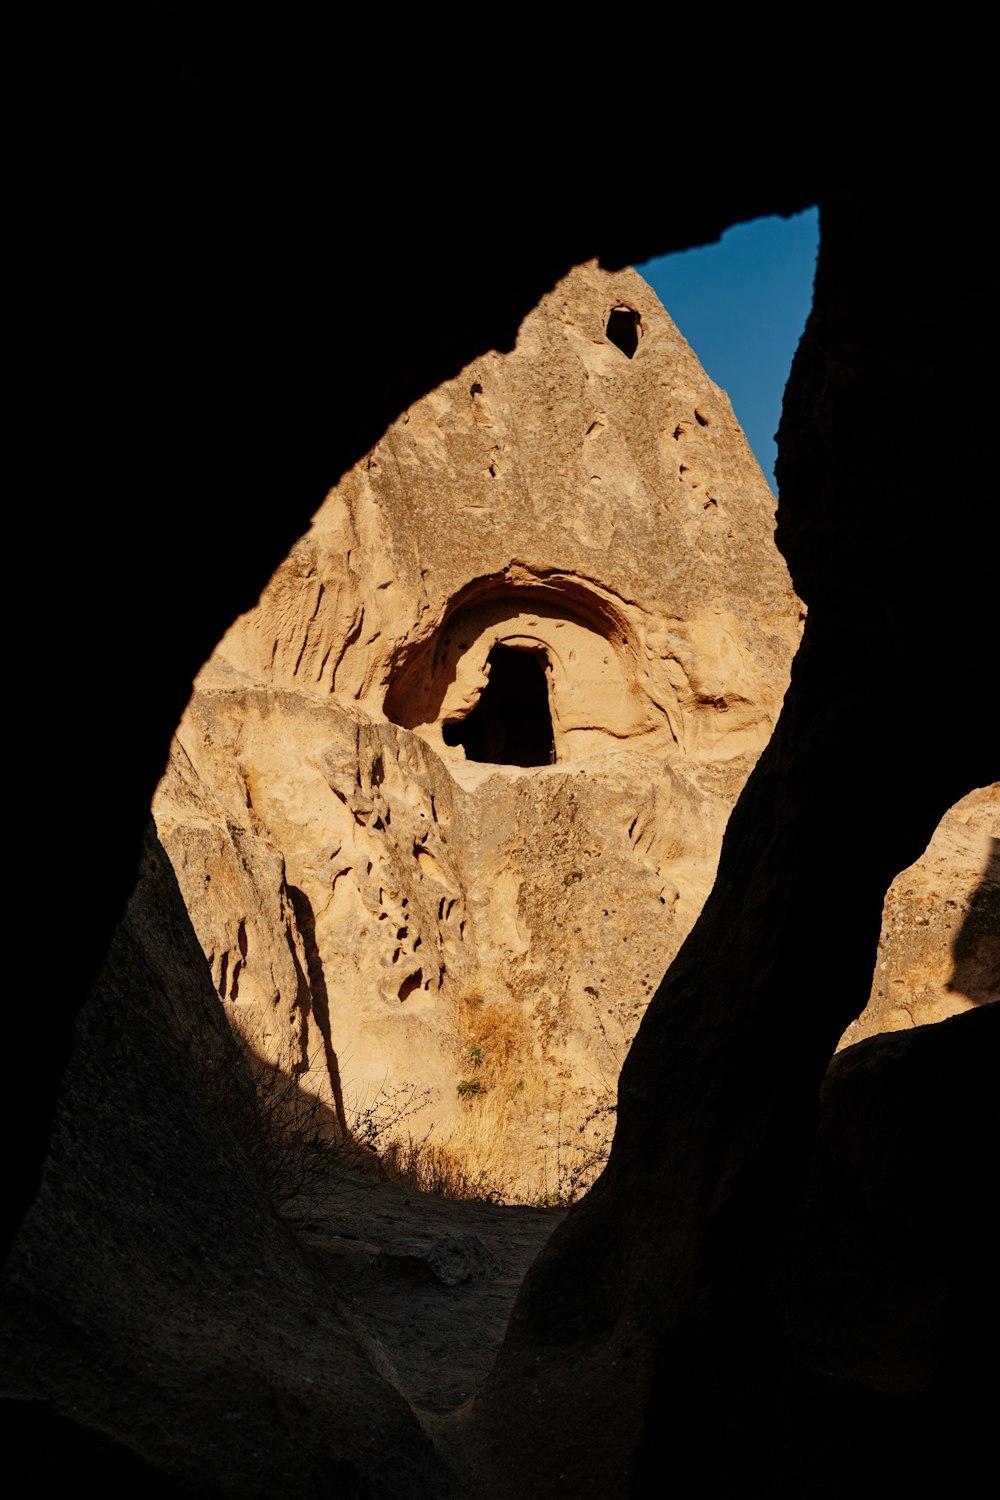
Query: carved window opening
[[511, 724], [624, 328]]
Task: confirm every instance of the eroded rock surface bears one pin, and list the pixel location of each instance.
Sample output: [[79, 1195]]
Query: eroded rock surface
[[445, 804], [939, 951]]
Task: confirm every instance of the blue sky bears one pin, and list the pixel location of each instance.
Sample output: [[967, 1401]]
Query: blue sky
[[742, 305]]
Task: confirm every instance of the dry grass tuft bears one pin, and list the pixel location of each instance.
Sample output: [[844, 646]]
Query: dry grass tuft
[[496, 1046], [500, 1085], [426, 1166]]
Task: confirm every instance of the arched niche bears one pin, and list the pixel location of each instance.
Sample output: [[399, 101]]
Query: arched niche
[[531, 675]]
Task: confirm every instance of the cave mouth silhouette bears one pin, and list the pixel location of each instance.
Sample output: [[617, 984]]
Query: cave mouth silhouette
[[511, 725], [624, 328]]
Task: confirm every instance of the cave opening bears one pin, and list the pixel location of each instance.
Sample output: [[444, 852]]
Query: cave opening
[[511, 725], [623, 329]]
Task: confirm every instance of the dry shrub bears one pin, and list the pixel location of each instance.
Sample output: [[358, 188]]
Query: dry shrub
[[501, 1088], [578, 1153], [496, 1046], [426, 1166], [293, 1140], [582, 1154]]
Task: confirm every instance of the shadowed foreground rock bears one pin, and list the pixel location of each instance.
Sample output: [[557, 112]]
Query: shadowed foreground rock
[[160, 1322]]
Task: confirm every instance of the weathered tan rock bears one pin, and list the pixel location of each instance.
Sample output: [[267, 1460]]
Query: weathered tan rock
[[939, 952], [446, 803]]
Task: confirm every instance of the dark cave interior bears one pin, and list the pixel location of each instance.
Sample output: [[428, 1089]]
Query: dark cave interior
[[511, 724]]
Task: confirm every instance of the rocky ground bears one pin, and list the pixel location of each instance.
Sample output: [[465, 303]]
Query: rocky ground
[[426, 1283]]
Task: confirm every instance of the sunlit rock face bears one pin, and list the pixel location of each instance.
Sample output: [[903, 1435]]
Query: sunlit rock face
[[445, 804], [939, 952]]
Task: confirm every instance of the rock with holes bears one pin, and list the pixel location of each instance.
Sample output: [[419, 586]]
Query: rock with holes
[[469, 761]]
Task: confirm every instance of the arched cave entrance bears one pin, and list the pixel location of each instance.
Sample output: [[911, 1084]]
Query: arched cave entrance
[[511, 724]]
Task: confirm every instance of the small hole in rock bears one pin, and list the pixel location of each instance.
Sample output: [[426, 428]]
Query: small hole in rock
[[410, 983], [624, 328]]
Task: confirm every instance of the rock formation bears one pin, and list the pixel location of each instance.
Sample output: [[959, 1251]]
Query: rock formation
[[647, 1336], [445, 804], [939, 948], [449, 798], [660, 1325]]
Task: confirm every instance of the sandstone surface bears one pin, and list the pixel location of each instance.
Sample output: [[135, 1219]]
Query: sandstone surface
[[939, 949], [445, 804]]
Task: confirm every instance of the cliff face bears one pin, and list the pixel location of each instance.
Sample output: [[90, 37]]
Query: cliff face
[[939, 947], [445, 804]]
